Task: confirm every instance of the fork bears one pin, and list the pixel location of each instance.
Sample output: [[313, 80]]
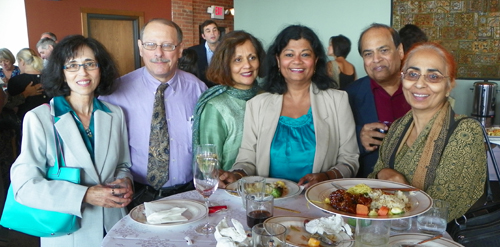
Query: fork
[[423, 241]]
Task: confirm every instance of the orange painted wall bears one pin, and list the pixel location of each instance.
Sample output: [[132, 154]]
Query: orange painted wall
[[63, 17]]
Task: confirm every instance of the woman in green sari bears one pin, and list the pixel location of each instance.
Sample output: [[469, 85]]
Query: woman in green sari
[[425, 148], [219, 113]]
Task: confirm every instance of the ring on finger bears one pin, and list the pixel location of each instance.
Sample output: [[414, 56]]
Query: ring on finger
[[113, 191]]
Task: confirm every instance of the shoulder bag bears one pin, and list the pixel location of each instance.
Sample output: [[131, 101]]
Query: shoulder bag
[[38, 222], [480, 226]]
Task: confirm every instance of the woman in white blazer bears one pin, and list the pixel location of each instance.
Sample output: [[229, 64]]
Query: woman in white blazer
[[94, 139], [301, 129]]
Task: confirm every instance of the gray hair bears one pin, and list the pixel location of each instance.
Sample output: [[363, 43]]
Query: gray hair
[[45, 42], [165, 22]]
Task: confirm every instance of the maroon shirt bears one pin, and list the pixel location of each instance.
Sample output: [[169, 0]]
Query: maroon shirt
[[389, 108]]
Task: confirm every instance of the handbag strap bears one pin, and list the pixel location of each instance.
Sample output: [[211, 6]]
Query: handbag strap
[[59, 151]]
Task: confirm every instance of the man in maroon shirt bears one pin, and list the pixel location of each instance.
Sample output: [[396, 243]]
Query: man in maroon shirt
[[377, 99]]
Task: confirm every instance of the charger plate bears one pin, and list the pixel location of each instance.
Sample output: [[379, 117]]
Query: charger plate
[[195, 211]]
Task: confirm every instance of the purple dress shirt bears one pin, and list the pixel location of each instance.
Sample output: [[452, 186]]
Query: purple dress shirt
[[135, 95]]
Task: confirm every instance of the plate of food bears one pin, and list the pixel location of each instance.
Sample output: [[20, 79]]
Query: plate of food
[[494, 134], [368, 198], [279, 188], [297, 236], [413, 238], [194, 211]]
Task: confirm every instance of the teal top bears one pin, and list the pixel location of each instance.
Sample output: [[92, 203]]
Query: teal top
[[293, 148], [61, 107]]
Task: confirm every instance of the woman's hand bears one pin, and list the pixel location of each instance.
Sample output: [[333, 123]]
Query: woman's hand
[[227, 177], [32, 90], [99, 195], [312, 178], [391, 175]]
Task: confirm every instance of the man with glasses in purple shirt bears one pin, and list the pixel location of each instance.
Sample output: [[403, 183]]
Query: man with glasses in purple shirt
[[160, 47]]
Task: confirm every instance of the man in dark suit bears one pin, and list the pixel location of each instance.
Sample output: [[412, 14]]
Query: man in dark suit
[[377, 99], [205, 51]]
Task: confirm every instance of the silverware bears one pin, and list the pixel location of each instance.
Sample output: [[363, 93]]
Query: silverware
[[322, 238], [423, 241], [340, 187]]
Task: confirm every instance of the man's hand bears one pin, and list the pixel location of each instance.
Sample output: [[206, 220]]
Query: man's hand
[[368, 134], [32, 90]]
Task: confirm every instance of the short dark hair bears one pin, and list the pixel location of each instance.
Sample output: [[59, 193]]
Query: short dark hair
[[45, 42], [206, 23], [165, 22], [219, 70], [189, 61], [395, 36], [53, 78], [411, 34], [274, 82], [341, 45], [52, 35]]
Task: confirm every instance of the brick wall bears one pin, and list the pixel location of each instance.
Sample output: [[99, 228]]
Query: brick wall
[[189, 14]]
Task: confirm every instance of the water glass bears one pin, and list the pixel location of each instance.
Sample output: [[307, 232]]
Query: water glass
[[250, 185], [401, 225], [259, 207], [434, 220], [269, 234], [372, 232]]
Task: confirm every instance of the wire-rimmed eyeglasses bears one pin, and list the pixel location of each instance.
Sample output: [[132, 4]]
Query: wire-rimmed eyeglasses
[[164, 46], [73, 67], [430, 77]]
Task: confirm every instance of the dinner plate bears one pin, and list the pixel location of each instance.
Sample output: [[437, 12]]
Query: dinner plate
[[195, 211], [293, 188], [413, 238], [297, 236], [316, 194]]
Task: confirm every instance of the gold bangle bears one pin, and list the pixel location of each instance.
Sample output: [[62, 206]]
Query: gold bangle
[[239, 173]]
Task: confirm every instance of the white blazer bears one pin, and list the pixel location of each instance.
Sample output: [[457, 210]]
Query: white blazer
[[336, 144], [112, 158]]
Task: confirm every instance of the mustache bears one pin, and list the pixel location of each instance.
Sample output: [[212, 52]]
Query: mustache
[[159, 60]]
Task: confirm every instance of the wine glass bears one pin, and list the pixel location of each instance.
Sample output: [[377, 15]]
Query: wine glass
[[206, 179]]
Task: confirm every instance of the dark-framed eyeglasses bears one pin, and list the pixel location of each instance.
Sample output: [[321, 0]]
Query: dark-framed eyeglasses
[[430, 77], [73, 67], [164, 46]]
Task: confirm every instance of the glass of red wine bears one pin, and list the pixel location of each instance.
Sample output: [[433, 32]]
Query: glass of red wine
[[259, 207]]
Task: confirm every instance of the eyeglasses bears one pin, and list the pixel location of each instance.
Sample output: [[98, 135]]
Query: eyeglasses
[[73, 67], [414, 76], [165, 46]]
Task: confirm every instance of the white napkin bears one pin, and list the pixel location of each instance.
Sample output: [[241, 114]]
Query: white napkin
[[159, 213], [329, 225], [227, 236]]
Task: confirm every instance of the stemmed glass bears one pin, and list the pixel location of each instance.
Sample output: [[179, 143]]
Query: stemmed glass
[[206, 178]]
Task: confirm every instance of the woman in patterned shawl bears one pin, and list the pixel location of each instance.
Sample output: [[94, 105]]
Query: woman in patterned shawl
[[424, 148], [219, 113]]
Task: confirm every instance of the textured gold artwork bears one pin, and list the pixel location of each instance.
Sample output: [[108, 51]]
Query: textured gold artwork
[[470, 29]]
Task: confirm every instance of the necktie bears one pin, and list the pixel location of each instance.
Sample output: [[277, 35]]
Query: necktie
[[159, 147]]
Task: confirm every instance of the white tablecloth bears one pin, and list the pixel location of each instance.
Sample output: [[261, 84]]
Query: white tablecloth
[[128, 232]]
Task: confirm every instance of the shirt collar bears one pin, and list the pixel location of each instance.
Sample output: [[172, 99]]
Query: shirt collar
[[151, 80], [61, 106], [375, 86]]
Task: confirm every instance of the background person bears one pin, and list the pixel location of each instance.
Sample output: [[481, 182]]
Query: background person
[[94, 139], [301, 129], [219, 113], [45, 47], [377, 97], [189, 62], [210, 33], [8, 69], [49, 35], [416, 150], [411, 34], [339, 69]]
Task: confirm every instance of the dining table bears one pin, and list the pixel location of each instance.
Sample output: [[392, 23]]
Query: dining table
[[130, 232]]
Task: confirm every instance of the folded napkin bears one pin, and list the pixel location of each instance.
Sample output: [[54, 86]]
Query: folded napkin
[[159, 213], [329, 225], [228, 236]]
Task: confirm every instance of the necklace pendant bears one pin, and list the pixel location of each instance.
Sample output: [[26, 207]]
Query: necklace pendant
[[89, 133]]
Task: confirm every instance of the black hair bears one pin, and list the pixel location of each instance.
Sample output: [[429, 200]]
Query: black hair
[[411, 34], [189, 61], [274, 81], [53, 78], [341, 45]]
